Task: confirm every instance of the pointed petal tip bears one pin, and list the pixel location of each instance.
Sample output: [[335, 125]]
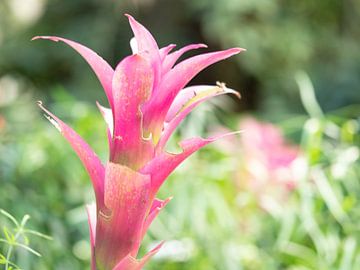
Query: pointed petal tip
[[169, 199], [130, 18], [237, 94], [153, 252], [164, 202], [201, 45], [169, 48], [164, 51], [37, 37], [53, 38], [188, 142], [131, 263], [227, 90], [100, 107], [221, 136], [49, 116], [156, 249], [236, 50], [234, 92], [128, 15]]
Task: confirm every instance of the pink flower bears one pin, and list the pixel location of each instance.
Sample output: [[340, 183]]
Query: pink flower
[[147, 102], [268, 162]]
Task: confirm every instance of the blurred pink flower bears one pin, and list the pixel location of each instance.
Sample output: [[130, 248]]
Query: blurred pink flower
[[147, 102], [264, 144], [268, 160], [2, 123]]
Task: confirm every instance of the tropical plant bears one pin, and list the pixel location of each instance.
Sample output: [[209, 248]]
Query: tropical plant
[[147, 102]]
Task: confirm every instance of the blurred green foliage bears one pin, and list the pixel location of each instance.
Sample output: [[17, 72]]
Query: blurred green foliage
[[16, 240], [212, 222], [281, 37]]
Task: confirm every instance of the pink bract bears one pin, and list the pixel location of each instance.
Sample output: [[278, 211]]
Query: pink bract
[[147, 101]]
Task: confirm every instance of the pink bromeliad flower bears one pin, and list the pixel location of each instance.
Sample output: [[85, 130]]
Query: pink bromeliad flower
[[147, 102]]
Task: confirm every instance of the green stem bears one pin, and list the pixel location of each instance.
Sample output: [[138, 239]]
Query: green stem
[[8, 255]]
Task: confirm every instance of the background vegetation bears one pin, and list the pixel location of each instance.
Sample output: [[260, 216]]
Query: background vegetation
[[217, 219]]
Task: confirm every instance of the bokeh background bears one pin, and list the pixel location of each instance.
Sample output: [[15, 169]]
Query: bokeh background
[[282, 195]]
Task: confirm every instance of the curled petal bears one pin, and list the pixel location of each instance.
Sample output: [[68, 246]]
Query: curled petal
[[102, 69], [165, 163], [132, 84], [130, 263], [119, 225], [88, 157]]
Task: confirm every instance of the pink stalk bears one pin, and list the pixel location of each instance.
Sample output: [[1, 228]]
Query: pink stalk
[[147, 102]]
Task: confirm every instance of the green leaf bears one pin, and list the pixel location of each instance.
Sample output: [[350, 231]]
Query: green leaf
[[28, 249], [37, 234], [9, 216], [8, 235], [307, 94], [24, 220], [2, 259], [328, 194]]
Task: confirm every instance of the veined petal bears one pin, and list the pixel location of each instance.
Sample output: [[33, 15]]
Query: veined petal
[[132, 84], [171, 59], [88, 157], [165, 163], [130, 263], [157, 107], [184, 103], [147, 46], [102, 69], [91, 211], [119, 226]]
